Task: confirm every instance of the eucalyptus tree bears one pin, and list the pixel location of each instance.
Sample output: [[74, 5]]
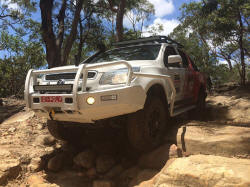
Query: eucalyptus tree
[[140, 13], [222, 28], [57, 36]]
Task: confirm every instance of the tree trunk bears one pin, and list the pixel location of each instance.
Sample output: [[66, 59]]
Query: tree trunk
[[56, 54], [52, 55], [229, 64], [242, 54], [72, 36], [119, 20], [79, 50]]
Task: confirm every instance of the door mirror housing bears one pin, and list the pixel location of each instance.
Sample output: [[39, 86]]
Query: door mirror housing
[[174, 59]]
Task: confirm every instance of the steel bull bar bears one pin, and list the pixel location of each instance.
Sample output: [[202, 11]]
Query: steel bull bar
[[31, 80]]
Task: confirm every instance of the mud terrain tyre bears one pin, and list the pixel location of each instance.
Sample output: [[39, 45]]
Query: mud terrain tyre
[[199, 112], [201, 102], [65, 131], [146, 127]]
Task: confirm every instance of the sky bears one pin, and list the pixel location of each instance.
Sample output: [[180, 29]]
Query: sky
[[166, 13]]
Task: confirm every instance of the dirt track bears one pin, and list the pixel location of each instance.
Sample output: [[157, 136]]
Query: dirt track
[[26, 148]]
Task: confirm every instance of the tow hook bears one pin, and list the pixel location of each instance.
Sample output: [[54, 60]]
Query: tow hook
[[52, 114]]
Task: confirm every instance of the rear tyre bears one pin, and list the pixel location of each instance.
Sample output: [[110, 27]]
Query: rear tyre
[[146, 127], [201, 103], [199, 111]]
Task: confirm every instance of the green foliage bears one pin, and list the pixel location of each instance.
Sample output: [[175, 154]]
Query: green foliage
[[213, 30], [20, 56]]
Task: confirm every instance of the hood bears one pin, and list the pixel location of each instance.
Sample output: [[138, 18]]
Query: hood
[[68, 67], [134, 63]]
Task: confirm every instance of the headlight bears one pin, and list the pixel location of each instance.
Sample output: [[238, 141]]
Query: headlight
[[119, 76], [114, 77]]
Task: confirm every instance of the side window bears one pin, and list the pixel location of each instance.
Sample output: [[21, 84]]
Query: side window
[[184, 58], [168, 51]]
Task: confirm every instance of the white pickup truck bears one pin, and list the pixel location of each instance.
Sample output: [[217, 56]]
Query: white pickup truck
[[143, 81]]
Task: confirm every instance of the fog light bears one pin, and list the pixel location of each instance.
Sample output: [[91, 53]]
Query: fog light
[[91, 100]]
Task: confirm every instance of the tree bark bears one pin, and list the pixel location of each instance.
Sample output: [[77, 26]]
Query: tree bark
[[72, 36], [119, 20], [48, 33], [56, 54], [242, 54], [229, 64]]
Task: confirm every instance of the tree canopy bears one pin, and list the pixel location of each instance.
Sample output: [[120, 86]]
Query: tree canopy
[[52, 33]]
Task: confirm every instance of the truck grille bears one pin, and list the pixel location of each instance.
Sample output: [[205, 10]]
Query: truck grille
[[66, 76]]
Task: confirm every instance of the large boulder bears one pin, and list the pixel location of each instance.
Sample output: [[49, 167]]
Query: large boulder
[[9, 167], [157, 158], [143, 175], [46, 140], [203, 171], [104, 163], [85, 159], [127, 176], [215, 139]]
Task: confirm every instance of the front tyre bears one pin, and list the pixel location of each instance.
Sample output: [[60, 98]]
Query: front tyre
[[146, 127], [57, 130]]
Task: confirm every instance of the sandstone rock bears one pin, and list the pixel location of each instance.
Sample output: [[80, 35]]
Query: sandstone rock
[[4, 153], [214, 139], [143, 175], [40, 126], [56, 162], [174, 151], [91, 173], [104, 163], [155, 159], [35, 179], [36, 164], [115, 171], [19, 117], [9, 169], [85, 159], [126, 176], [45, 140], [127, 162], [203, 171], [38, 181], [103, 183], [104, 148], [12, 129]]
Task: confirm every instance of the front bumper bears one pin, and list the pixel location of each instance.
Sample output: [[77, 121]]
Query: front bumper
[[128, 99]]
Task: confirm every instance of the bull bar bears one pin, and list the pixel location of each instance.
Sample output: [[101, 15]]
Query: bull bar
[[32, 75]]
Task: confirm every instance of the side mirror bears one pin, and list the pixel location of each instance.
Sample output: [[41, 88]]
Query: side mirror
[[174, 59]]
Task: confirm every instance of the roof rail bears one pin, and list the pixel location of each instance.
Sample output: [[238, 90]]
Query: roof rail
[[158, 39]]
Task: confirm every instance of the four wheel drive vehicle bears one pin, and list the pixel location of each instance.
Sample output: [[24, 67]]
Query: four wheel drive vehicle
[[143, 81]]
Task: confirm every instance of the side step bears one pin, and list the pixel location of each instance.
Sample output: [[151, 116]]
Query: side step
[[181, 110]]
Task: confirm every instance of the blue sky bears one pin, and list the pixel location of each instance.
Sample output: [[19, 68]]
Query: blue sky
[[166, 13]]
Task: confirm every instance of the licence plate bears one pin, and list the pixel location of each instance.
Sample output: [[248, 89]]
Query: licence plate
[[51, 99]]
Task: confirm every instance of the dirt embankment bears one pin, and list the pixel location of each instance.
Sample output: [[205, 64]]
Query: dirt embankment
[[194, 152]]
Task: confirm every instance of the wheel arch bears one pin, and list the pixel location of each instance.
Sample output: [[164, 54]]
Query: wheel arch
[[157, 89]]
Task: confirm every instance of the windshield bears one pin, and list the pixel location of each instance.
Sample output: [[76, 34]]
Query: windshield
[[145, 52]]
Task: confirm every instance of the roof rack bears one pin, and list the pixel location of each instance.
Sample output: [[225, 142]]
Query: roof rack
[[158, 39]]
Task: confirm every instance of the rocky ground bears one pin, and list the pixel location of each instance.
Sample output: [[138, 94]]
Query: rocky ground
[[214, 151]]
